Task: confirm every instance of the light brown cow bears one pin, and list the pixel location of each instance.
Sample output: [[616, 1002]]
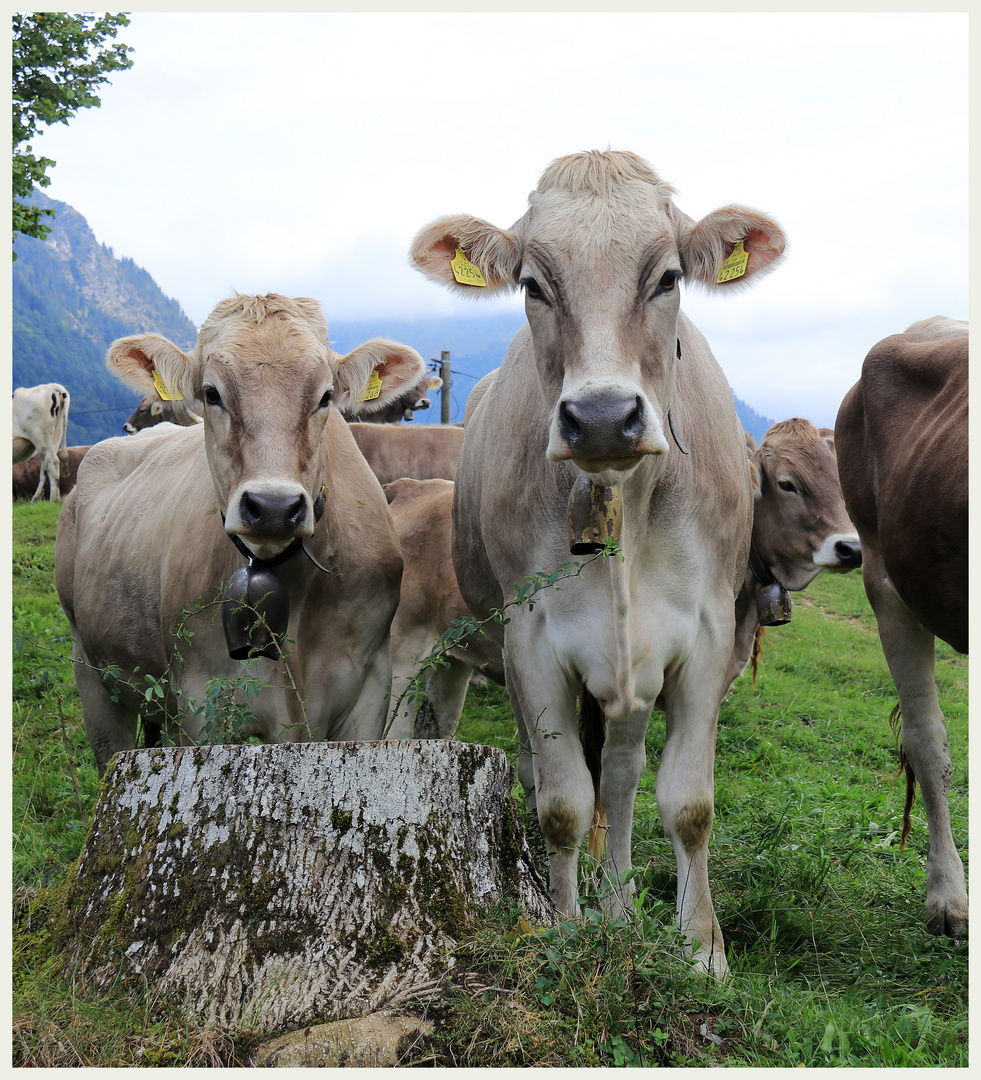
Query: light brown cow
[[609, 382], [902, 440], [151, 411], [273, 477], [420, 451], [404, 407], [40, 425], [800, 526], [27, 474], [429, 604]]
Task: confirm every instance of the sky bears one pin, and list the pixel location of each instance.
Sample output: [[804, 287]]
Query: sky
[[301, 152]]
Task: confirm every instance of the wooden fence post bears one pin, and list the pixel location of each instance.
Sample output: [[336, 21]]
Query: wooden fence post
[[444, 374]]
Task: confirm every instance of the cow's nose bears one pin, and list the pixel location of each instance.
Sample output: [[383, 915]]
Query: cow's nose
[[268, 514], [849, 552], [602, 425]]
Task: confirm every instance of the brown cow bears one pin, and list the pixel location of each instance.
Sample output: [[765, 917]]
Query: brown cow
[[151, 411], [609, 386], [420, 451], [902, 439], [394, 412], [800, 526], [28, 473], [158, 523], [430, 602]]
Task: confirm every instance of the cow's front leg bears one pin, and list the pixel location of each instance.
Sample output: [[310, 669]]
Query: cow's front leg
[[686, 796], [564, 793]]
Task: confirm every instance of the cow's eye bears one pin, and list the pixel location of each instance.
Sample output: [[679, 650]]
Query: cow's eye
[[326, 399], [533, 290], [667, 283], [786, 485], [211, 396]]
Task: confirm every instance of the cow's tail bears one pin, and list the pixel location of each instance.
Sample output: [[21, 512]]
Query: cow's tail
[[63, 422], [757, 650], [592, 735], [895, 722]]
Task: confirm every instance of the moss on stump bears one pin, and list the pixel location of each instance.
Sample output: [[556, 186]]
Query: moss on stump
[[275, 886]]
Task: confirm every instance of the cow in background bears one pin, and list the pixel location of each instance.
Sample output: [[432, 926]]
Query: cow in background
[[394, 412], [430, 601], [159, 523], [151, 411], [800, 527], [609, 385], [28, 473], [902, 440], [40, 425], [419, 451]]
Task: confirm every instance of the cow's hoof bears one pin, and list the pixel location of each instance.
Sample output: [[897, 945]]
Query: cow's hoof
[[947, 920]]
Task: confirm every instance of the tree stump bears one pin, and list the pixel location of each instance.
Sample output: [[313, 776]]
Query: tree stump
[[276, 886]]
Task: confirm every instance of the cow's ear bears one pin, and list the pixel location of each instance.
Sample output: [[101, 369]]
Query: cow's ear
[[756, 479], [374, 373], [730, 247], [470, 256], [149, 362]]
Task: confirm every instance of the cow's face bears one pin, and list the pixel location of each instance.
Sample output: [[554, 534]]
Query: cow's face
[[800, 525], [600, 255], [268, 380]]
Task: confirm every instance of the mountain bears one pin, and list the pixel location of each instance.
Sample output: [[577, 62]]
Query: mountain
[[72, 297]]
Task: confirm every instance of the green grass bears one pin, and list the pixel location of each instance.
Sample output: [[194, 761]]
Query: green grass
[[822, 911]]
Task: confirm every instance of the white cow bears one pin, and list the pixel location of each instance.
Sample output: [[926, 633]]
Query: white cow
[[41, 427], [609, 382]]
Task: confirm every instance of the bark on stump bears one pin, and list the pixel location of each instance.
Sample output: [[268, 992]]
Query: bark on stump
[[276, 886]]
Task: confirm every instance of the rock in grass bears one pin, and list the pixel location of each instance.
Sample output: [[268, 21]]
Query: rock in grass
[[275, 886]]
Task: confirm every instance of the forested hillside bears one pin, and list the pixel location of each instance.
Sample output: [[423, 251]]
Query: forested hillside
[[72, 297]]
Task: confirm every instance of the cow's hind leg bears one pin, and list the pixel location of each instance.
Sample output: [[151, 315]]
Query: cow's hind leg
[[910, 653], [110, 725], [438, 716], [50, 470]]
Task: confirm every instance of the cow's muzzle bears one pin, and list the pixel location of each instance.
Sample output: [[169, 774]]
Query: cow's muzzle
[[273, 516], [602, 426]]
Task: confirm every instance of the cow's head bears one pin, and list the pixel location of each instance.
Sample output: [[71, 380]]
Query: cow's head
[[268, 378], [147, 414], [800, 525], [600, 254]]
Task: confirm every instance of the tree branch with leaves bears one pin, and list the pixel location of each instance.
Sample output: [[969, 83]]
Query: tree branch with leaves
[[59, 60]]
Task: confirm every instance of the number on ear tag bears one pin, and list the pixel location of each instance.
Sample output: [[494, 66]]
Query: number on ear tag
[[735, 266], [373, 388], [158, 385], [464, 270]]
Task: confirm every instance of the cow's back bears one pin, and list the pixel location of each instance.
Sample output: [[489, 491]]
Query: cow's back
[[417, 451], [901, 439]]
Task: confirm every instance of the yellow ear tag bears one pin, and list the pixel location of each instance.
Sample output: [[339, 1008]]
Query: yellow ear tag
[[735, 266], [464, 270], [158, 385], [374, 387]]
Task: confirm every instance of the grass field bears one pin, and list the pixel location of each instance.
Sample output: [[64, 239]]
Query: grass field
[[822, 910]]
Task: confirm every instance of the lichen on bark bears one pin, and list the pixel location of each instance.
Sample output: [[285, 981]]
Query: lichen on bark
[[274, 886]]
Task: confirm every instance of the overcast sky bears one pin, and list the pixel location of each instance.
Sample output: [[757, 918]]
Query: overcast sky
[[299, 153]]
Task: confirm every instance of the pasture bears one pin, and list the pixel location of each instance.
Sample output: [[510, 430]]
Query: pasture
[[830, 962]]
